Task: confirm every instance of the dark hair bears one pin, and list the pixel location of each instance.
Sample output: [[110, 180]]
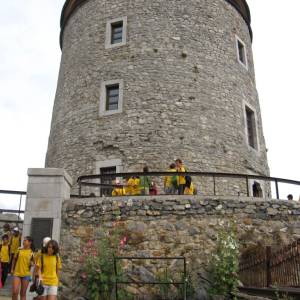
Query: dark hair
[[172, 166], [188, 181], [178, 160], [54, 245], [6, 225], [30, 239], [290, 197], [146, 169], [5, 236]]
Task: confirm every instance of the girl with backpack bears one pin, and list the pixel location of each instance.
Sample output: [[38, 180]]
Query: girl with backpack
[[21, 269], [48, 266]]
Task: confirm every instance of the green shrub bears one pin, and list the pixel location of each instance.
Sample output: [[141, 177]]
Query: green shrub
[[98, 264], [224, 263]]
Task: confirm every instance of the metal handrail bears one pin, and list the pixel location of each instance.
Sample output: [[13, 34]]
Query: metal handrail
[[82, 180], [17, 211]]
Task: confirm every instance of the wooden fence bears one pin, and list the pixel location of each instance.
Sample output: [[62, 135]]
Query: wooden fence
[[268, 268]]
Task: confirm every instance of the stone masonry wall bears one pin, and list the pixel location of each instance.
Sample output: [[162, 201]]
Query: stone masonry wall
[[173, 226], [184, 89]]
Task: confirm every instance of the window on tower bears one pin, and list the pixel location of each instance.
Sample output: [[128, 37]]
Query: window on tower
[[116, 32], [251, 129], [109, 171], [241, 52], [111, 97]]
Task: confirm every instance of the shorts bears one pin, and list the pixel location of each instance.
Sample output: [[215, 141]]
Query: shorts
[[50, 290], [28, 278]]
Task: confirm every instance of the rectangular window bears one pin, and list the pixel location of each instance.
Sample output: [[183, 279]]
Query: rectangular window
[[242, 57], [107, 191], [241, 53], [251, 128], [117, 32], [112, 97]]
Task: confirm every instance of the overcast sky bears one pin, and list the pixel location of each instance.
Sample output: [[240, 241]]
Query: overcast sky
[[29, 64]]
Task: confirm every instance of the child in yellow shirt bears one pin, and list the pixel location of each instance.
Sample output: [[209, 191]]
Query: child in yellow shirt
[[118, 190], [171, 182], [48, 266], [21, 269], [15, 243], [4, 258], [133, 186]]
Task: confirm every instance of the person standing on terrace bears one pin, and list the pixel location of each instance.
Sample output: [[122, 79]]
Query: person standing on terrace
[[145, 182], [181, 178], [171, 182]]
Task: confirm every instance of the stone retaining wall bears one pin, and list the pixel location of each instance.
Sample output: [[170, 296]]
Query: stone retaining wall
[[173, 226]]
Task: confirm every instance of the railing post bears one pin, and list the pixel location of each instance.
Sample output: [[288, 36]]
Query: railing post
[[247, 185], [214, 179], [277, 189], [79, 192], [268, 266], [20, 203]]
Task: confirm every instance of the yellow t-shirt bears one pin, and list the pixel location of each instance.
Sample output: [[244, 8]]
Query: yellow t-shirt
[[4, 254], [133, 186], [168, 179], [181, 179], [14, 244], [23, 263], [190, 190], [51, 264], [118, 191]]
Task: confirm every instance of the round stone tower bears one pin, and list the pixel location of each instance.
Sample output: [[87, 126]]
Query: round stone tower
[[144, 82]]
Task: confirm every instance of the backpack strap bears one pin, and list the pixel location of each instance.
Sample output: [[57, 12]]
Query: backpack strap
[[42, 262], [31, 262], [56, 256]]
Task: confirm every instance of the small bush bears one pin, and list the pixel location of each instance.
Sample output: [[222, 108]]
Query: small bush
[[224, 263]]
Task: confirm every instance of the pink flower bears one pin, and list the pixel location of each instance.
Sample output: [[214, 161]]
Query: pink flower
[[83, 276], [90, 243]]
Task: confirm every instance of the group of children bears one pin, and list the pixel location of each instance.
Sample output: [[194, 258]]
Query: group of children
[[25, 265], [143, 185]]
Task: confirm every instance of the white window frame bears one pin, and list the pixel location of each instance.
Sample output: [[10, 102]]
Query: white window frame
[[103, 97], [237, 41], [108, 44], [257, 148]]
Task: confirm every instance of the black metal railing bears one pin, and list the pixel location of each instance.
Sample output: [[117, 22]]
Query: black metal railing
[[216, 179], [18, 211], [268, 268], [182, 282]]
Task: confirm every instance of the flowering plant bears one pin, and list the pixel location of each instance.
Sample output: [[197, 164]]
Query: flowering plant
[[225, 262], [98, 263]]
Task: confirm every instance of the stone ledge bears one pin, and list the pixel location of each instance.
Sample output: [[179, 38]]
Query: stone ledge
[[162, 206], [50, 172]]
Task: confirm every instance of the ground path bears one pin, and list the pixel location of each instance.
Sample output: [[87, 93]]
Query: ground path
[[5, 292]]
